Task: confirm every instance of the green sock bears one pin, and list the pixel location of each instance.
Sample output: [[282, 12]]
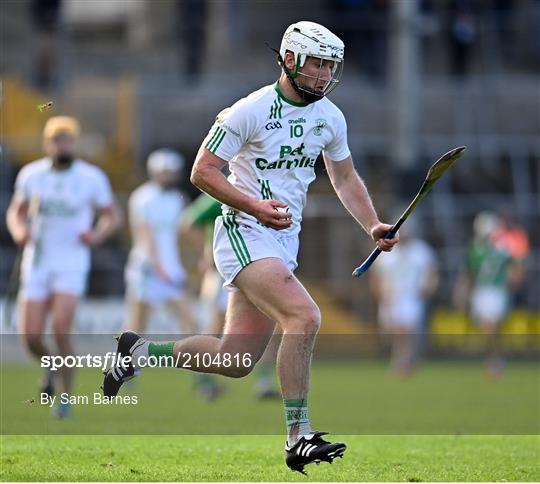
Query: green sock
[[296, 415], [161, 349], [163, 352]]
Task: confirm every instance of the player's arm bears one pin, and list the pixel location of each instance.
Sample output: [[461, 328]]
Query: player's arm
[[17, 220], [108, 214], [431, 281], [207, 175], [109, 219], [354, 196], [145, 234]]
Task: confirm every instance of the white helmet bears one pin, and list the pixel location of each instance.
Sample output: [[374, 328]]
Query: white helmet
[[164, 160], [305, 39], [485, 224]]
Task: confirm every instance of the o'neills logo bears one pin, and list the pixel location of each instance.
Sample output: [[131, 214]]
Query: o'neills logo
[[291, 164]]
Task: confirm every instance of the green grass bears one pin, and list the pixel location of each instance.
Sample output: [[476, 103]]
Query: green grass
[[442, 398], [260, 458], [454, 425]]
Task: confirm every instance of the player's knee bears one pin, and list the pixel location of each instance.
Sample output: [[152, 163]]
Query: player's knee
[[306, 320], [312, 320]]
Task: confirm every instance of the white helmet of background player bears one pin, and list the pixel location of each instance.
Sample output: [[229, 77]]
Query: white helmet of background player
[[485, 224], [308, 39], [165, 167]]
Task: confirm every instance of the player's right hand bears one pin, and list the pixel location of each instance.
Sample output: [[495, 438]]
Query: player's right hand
[[265, 211], [22, 236], [162, 273], [378, 232]]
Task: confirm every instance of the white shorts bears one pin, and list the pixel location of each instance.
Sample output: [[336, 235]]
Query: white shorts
[[489, 304], [143, 284], [403, 313], [39, 283], [240, 241]]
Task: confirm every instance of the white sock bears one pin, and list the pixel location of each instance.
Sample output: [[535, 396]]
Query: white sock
[[296, 415]]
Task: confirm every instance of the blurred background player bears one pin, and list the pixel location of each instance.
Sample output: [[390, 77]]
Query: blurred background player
[[154, 271], [200, 217], [51, 213], [484, 286], [198, 230], [403, 282], [512, 237]]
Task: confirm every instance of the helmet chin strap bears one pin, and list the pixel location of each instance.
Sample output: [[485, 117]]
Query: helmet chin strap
[[307, 95]]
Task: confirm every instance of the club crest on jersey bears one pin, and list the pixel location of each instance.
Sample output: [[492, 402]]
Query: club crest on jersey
[[319, 125]]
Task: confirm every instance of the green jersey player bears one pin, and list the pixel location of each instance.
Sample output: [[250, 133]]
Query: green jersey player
[[201, 216], [484, 287], [270, 141]]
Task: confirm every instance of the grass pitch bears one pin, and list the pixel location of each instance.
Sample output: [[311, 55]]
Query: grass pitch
[[360, 403], [260, 458]]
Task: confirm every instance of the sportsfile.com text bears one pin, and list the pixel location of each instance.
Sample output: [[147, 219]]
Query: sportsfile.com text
[[184, 360]]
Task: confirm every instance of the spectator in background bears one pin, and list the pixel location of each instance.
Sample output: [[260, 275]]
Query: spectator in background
[[463, 33], [364, 24], [192, 25], [512, 238], [484, 286], [535, 44], [403, 282], [51, 215], [504, 12], [45, 15]]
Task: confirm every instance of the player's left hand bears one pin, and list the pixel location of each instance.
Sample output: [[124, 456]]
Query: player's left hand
[[378, 232], [90, 238]]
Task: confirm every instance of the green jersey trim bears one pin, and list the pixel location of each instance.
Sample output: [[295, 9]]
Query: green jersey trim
[[275, 110], [215, 140], [287, 100], [237, 241], [266, 193]]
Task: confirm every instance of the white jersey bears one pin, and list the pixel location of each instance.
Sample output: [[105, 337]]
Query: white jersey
[[161, 210], [403, 273], [62, 205], [405, 269], [272, 144]]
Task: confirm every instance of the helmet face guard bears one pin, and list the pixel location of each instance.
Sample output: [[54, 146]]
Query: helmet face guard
[[311, 94], [308, 94]]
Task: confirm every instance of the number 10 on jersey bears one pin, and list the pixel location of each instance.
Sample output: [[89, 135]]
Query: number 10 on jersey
[[297, 130]]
